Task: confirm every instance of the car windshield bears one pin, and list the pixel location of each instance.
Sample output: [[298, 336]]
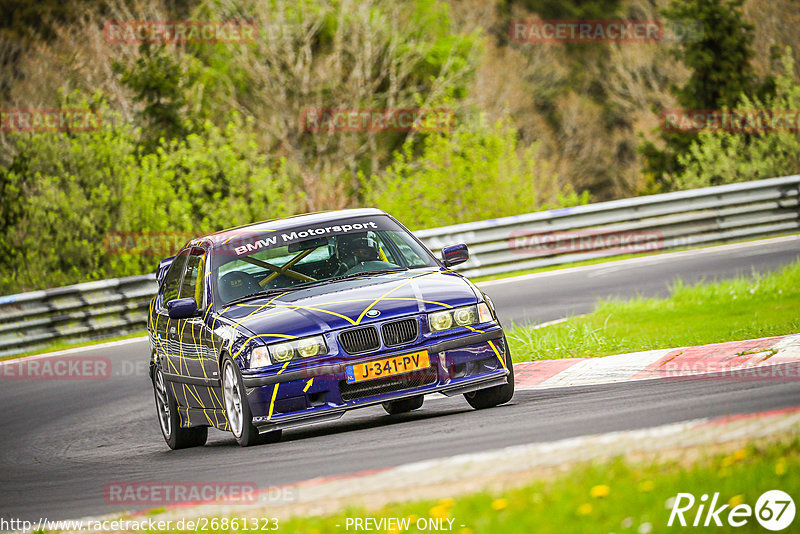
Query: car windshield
[[259, 263]]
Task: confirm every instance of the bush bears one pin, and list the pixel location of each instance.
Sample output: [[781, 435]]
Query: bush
[[467, 175], [727, 157], [80, 187]]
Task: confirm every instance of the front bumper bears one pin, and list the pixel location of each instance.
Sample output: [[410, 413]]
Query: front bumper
[[320, 393]]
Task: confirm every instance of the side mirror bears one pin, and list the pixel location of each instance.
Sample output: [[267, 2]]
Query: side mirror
[[455, 254], [182, 308]]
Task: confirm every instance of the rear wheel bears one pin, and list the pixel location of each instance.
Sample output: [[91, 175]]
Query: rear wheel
[[494, 396], [169, 421], [240, 419], [404, 405]]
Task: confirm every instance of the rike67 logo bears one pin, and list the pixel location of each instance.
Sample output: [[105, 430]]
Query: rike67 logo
[[774, 510]]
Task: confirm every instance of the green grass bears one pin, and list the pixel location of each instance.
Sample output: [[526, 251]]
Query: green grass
[[615, 496], [744, 308]]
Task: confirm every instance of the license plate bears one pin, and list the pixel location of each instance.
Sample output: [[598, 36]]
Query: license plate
[[387, 367]]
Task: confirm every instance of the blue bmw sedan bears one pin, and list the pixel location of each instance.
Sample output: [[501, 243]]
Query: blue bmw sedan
[[297, 320]]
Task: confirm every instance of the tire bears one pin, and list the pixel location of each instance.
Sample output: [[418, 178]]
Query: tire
[[404, 405], [494, 396], [169, 420], [240, 418]]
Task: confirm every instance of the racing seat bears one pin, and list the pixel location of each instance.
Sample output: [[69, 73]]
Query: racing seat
[[237, 284]]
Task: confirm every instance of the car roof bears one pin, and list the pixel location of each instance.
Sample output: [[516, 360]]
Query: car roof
[[283, 223]]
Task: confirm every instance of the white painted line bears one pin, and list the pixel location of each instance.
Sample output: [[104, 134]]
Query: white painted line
[[665, 256], [605, 370], [553, 322], [98, 346]]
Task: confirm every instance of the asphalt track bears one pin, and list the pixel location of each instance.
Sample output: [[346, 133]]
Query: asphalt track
[[62, 441]]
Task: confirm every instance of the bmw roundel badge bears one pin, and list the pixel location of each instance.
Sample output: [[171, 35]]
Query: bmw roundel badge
[[373, 313]]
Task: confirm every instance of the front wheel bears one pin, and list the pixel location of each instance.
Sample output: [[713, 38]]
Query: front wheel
[[168, 419], [240, 419], [494, 396]]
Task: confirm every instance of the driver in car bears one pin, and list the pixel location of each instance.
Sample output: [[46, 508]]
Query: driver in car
[[353, 250], [359, 249]]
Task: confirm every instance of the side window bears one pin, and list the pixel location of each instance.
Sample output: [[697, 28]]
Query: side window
[[193, 279], [173, 278]]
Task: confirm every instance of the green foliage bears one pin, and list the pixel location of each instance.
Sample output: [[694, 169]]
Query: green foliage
[[720, 73], [159, 86], [720, 60], [743, 308], [618, 494], [81, 187], [467, 175], [726, 157]]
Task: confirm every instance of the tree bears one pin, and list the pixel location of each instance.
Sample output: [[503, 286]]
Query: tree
[[720, 73], [720, 157], [159, 85]]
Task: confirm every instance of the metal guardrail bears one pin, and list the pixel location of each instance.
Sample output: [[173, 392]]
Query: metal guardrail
[[659, 222], [81, 312], [666, 221]]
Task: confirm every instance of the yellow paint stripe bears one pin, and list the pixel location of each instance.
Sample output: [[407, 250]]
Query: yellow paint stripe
[[180, 347], [275, 393], [199, 354], [284, 336], [308, 385], [214, 349], [264, 305], [193, 395], [215, 397], [185, 398], [502, 361], [377, 300], [314, 308], [272, 402], [289, 307], [207, 417]]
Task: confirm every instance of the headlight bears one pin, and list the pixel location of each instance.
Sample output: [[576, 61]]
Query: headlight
[[440, 321], [307, 347], [259, 357], [464, 316]]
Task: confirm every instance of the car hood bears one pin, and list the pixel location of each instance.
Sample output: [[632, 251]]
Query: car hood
[[346, 302]]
